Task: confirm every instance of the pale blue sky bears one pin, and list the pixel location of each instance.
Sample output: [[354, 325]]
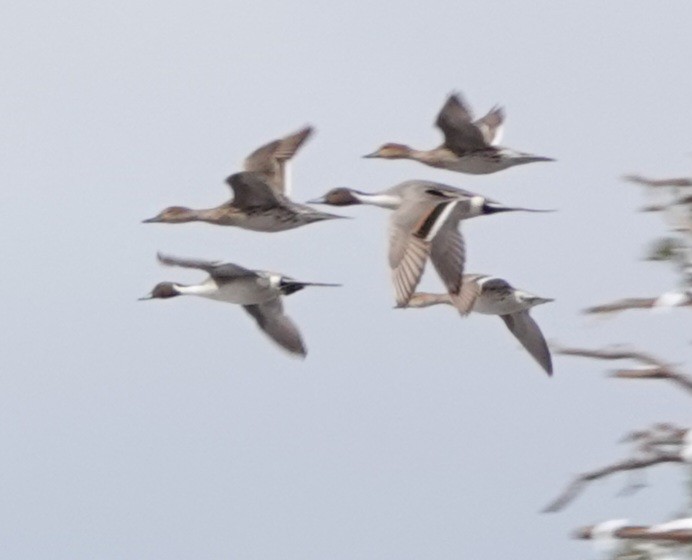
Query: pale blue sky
[[174, 429]]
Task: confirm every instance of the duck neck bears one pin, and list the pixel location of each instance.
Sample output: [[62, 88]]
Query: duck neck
[[204, 289], [383, 200]]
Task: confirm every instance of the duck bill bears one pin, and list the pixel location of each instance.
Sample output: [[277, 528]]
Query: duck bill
[[372, 155], [320, 200], [493, 208], [153, 220], [529, 158]]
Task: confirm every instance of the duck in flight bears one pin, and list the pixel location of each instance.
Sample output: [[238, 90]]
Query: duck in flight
[[424, 225], [469, 146], [491, 295], [260, 194], [258, 291]]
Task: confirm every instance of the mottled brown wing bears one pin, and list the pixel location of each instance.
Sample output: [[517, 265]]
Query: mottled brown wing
[[461, 134], [490, 125], [269, 160], [526, 331], [279, 327], [251, 191]]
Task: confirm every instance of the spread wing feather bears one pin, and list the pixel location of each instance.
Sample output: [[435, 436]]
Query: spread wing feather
[[279, 327]]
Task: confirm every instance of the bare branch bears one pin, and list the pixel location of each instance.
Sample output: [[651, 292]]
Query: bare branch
[[628, 303], [675, 182], [652, 367], [577, 486], [614, 353], [655, 373], [640, 532]]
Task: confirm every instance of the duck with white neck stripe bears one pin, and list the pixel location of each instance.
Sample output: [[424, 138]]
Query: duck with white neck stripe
[[424, 225], [258, 291]]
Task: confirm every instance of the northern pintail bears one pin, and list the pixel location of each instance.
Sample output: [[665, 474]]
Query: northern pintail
[[469, 146], [424, 224], [258, 291], [260, 194], [494, 296]]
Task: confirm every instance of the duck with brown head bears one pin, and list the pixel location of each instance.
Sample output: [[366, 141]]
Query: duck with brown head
[[258, 291], [469, 146], [175, 215], [490, 295], [162, 290], [424, 225], [392, 151], [260, 201]]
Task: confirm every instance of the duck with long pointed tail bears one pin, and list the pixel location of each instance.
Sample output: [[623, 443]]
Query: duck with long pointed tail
[[260, 194], [469, 146], [258, 291], [424, 225], [491, 295]]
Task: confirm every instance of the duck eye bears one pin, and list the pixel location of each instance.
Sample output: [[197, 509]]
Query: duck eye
[[435, 192]]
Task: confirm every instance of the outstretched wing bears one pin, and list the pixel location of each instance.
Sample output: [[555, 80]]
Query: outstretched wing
[[526, 330], [270, 160], [279, 327], [448, 255], [215, 268], [461, 134], [251, 191], [410, 231]]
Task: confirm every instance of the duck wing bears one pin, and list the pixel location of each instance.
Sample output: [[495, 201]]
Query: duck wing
[[526, 331], [215, 268], [279, 327], [461, 133], [448, 254], [491, 125], [251, 191], [271, 160]]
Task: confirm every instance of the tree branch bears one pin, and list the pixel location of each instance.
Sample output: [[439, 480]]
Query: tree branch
[[615, 353], [640, 532], [674, 182], [627, 303], [578, 485], [652, 367], [655, 373]]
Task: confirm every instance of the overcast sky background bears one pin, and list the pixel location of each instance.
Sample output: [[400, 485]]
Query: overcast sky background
[[174, 429]]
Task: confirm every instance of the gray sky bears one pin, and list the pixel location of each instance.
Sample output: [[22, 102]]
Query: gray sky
[[174, 429]]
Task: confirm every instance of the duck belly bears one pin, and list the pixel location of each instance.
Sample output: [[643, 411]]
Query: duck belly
[[492, 306], [243, 292], [478, 164]]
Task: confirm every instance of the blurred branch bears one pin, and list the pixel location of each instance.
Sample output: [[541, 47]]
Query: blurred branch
[[675, 182], [651, 368], [615, 353], [640, 532], [578, 485], [628, 303]]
